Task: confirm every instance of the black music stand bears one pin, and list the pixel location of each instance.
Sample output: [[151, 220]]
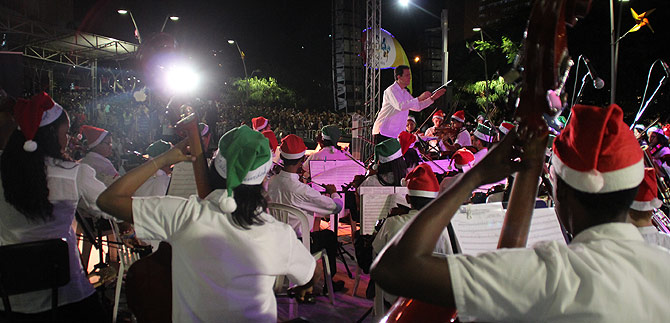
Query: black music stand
[[33, 266]]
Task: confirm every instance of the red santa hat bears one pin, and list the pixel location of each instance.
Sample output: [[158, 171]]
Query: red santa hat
[[271, 138], [438, 114], [463, 157], [421, 182], [407, 141], [292, 147], [93, 135], [32, 114], [459, 116], [646, 199], [505, 127], [597, 152], [259, 123]]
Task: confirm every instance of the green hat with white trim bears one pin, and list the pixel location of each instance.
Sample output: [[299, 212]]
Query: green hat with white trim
[[243, 158], [388, 150], [331, 133], [157, 148], [484, 133]]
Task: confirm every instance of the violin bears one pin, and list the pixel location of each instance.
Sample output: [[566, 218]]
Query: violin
[[544, 55]]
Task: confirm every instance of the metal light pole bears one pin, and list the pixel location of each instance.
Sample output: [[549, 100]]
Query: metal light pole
[[173, 18], [486, 70], [137, 30], [231, 41]]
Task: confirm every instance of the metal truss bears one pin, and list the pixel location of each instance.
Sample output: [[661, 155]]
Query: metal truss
[[373, 21]]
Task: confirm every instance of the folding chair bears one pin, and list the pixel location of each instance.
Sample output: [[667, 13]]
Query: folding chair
[[33, 266], [282, 213]]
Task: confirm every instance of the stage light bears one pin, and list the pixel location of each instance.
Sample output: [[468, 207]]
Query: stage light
[[181, 78]]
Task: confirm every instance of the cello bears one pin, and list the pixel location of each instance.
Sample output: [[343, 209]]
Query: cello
[[546, 62]]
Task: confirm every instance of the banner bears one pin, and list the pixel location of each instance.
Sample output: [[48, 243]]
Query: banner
[[392, 54]]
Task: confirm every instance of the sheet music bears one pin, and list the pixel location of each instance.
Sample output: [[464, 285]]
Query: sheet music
[[337, 172], [477, 227], [182, 182], [444, 163], [376, 201]]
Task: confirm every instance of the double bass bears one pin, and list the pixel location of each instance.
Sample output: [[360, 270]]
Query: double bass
[[545, 60]]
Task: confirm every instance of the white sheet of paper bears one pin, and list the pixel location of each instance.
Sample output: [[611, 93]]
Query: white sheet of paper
[[182, 182], [376, 201], [336, 172], [477, 227]]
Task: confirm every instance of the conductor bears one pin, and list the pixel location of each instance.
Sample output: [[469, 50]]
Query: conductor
[[397, 103]]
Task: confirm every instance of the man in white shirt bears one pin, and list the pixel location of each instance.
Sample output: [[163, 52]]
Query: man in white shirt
[[597, 167], [99, 146], [462, 138], [396, 104], [642, 210], [286, 188], [330, 135]]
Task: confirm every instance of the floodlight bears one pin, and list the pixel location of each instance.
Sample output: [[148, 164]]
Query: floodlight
[[181, 78], [404, 3]]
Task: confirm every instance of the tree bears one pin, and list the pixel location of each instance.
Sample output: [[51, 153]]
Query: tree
[[263, 92]]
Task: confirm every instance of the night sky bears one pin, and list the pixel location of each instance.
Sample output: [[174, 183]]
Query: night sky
[[290, 40]]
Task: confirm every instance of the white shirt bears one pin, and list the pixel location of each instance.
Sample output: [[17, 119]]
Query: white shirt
[[607, 274], [219, 270], [104, 169], [392, 225], [326, 153], [396, 104], [463, 138], [285, 188], [68, 183], [655, 237], [156, 185]]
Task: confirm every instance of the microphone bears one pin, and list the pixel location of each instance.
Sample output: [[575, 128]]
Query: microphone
[[598, 83]]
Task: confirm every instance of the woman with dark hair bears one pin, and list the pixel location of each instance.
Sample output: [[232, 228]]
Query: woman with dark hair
[[226, 251], [40, 190]]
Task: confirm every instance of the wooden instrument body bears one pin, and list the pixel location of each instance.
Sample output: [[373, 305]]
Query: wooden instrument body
[[544, 51]]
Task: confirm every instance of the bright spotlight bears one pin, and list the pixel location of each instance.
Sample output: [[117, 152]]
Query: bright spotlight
[[404, 3], [174, 18], [181, 79], [122, 11]]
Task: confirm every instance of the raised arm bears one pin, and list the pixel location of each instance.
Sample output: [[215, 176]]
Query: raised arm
[[406, 266], [117, 200]]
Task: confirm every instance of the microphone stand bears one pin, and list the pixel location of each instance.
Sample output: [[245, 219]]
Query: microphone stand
[[646, 104]]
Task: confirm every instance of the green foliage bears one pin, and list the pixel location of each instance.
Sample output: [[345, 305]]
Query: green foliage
[[490, 95], [262, 91], [510, 49]]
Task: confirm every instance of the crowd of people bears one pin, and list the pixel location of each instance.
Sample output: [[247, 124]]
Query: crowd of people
[[227, 249]]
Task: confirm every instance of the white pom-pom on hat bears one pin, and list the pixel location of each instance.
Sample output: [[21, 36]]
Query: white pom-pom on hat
[[30, 146], [227, 203]]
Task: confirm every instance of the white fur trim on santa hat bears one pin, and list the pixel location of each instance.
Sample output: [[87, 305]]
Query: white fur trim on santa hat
[[253, 177], [646, 205], [594, 181], [99, 140], [457, 118], [325, 136], [291, 156], [51, 115], [420, 193], [261, 127], [394, 156]]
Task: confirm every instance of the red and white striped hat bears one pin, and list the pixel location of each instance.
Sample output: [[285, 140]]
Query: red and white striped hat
[[505, 127], [459, 116], [438, 114], [421, 182], [597, 153], [292, 147], [646, 199], [258, 123]]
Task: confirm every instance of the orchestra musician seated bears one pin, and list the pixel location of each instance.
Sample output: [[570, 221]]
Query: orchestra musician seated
[[643, 208], [327, 140], [411, 124], [286, 188], [390, 166], [462, 159], [597, 167], [481, 141], [459, 137], [423, 188], [408, 149], [436, 130], [226, 250]]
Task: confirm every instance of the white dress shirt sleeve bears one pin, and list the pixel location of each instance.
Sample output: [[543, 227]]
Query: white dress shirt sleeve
[[300, 264], [89, 188], [158, 218]]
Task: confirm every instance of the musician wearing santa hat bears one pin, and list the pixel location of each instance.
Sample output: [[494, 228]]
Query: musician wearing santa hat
[[226, 250], [286, 188], [504, 128], [259, 124], [328, 139], [597, 168], [99, 147], [396, 104], [438, 120], [642, 210], [422, 189], [481, 140], [462, 138], [463, 159]]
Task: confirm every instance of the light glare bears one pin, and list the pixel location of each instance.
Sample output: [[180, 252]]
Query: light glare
[[181, 79], [174, 18], [404, 3], [122, 11]]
